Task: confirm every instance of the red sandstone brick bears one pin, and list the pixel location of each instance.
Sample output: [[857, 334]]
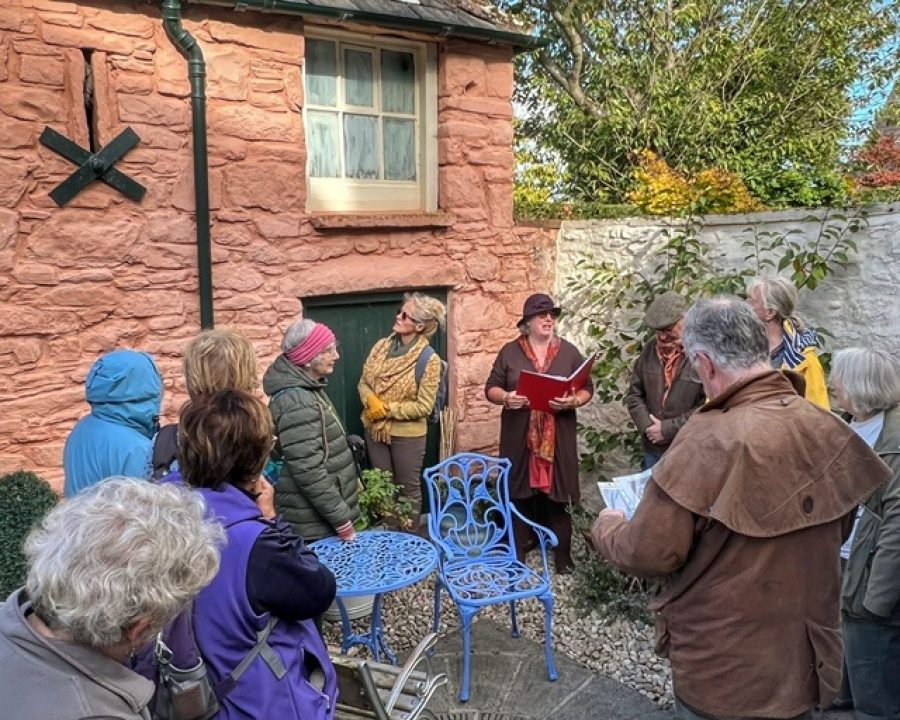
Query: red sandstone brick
[[86, 38], [121, 23], [133, 83], [271, 186], [41, 70], [9, 224], [280, 38], [70, 20], [490, 107], [172, 114], [248, 123], [17, 20], [32, 103]]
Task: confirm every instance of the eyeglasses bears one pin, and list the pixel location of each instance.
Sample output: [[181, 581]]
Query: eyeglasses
[[403, 315], [546, 314], [331, 349]]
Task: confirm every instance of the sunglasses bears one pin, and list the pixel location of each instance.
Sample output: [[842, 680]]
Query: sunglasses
[[403, 315]]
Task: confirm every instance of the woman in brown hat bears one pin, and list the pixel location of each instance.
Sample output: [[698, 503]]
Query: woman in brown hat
[[664, 390], [543, 479]]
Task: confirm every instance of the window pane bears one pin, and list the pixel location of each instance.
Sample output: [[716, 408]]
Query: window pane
[[322, 141], [360, 146], [321, 72], [399, 149], [398, 82], [359, 78]]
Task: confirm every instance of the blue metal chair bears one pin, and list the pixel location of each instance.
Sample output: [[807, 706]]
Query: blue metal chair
[[471, 522]]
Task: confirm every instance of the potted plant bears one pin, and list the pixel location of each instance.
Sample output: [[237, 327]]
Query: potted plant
[[381, 504]]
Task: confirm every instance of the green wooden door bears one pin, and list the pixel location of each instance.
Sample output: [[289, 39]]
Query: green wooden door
[[359, 321]]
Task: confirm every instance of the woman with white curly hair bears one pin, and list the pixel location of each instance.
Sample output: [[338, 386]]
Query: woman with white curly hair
[[107, 570]]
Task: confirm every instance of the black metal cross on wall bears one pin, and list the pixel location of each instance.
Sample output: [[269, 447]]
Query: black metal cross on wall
[[93, 166]]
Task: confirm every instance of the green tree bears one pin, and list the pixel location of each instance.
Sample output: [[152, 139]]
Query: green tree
[[757, 87]]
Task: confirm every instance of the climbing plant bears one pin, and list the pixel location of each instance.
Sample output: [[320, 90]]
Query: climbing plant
[[609, 301]]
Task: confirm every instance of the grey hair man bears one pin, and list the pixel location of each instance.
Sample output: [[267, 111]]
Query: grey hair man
[[106, 570], [742, 519]]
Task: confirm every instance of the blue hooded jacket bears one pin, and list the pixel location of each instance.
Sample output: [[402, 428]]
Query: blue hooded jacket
[[124, 390]]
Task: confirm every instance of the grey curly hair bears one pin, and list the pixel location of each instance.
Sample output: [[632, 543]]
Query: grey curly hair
[[122, 550]]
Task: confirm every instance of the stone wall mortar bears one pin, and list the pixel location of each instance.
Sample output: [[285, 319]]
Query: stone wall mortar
[[857, 305], [105, 272]]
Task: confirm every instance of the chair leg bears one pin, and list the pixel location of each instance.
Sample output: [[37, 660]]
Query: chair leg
[[512, 617], [465, 615], [547, 601], [437, 606]]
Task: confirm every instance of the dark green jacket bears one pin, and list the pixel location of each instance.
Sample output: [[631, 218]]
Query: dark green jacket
[[871, 589], [317, 488]]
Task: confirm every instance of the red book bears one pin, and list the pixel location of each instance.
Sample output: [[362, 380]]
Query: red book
[[540, 389]]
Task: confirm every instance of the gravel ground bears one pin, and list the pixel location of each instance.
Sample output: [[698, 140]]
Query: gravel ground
[[621, 650]]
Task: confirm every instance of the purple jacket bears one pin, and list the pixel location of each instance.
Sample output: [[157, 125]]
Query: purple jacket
[[226, 626]]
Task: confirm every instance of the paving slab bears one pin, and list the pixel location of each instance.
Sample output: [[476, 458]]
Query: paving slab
[[509, 682]]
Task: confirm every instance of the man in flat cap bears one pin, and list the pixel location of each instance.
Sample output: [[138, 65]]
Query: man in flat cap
[[664, 390]]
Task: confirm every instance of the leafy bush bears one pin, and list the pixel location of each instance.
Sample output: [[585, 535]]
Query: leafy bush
[[663, 190], [381, 502], [600, 587], [24, 500]]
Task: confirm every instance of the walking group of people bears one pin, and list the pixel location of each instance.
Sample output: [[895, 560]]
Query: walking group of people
[[755, 505], [753, 491]]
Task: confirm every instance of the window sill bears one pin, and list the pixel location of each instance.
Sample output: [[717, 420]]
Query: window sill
[[364, 221]]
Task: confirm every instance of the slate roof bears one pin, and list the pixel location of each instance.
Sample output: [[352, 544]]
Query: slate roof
[[471, 19]]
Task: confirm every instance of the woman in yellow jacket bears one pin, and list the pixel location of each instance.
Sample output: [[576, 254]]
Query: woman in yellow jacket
[[792, 346], [396, 402]]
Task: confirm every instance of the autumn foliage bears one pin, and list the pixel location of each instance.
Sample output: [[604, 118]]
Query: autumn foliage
[[662, 190]]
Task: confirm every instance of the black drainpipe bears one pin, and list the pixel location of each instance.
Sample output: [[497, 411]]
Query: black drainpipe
[[187, 46]]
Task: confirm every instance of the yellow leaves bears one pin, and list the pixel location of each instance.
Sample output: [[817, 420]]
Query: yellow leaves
[[662, 190]]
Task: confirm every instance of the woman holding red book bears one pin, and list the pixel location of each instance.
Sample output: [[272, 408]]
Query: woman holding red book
[[542, 446]]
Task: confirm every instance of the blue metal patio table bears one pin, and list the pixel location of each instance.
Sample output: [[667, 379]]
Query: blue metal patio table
[[373, 563]]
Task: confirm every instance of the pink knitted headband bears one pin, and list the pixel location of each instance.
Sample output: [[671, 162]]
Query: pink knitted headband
[[318, 339]]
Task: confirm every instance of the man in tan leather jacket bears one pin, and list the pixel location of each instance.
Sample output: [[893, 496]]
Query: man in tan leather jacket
[[743, 517]]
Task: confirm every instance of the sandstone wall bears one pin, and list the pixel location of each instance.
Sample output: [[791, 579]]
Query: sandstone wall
[[858, 304], [105, 272]]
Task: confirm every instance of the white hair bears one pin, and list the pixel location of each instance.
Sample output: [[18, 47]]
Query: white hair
[[869, 378], [779, 294], [725, 329], [122, 550]]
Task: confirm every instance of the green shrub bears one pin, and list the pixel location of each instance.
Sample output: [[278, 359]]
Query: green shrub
[[599, 586], [24, 500], [381, 503]]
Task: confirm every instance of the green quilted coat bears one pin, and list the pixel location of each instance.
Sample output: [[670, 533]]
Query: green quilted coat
[[317, 488]]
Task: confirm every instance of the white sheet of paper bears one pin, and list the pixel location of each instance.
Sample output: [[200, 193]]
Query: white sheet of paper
[[624, 492]]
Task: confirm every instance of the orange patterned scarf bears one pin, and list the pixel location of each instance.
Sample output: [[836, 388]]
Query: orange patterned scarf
[[541, 427], [670, 352]]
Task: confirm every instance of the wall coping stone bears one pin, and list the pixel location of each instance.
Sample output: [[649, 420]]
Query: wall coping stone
[[743, 219]]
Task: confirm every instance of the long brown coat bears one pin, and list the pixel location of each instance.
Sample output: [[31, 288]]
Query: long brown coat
[[509, 363], [745, 515]]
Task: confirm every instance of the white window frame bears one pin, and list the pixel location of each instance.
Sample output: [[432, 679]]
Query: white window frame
[[366, 195]]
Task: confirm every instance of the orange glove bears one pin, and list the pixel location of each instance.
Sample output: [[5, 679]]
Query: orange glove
[[375, 408]]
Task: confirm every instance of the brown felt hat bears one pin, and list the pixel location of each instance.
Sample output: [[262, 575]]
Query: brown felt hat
[[537, 304], [665, 310]]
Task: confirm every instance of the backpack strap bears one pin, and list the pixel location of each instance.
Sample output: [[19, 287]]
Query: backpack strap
[[165, 449], [261, 649], [422, 362]]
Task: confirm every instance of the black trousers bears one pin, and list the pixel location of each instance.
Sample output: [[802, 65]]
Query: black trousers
[[542, 510]]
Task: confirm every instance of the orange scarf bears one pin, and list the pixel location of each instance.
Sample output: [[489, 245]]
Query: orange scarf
[[670, 352], [541, 427]]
